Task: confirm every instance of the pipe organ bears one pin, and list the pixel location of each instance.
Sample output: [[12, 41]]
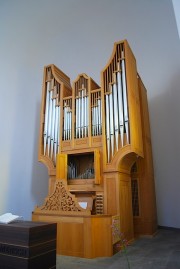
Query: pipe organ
[[95, 141]]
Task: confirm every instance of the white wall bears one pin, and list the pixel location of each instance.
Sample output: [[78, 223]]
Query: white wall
[[176, 5], [78, 36]]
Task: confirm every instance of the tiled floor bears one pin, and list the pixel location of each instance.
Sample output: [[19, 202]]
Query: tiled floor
[[159, 252]]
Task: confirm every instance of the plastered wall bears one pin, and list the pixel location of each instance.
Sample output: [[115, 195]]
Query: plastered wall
[[78, 36]]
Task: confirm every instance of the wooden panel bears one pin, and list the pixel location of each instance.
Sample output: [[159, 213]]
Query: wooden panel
[[71, 234], [111, 196], [98, 243], [134, 103], [126, 217], [147, 223], [61, 166], [97, 166]]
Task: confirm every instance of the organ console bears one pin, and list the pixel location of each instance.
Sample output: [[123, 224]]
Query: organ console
[[96, 143]]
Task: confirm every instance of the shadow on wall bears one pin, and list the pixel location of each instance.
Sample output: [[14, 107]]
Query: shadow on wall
[[165, 130], [28, 178], [39, 183]]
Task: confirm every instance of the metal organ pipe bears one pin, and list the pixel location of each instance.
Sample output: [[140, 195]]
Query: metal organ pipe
[[85, 113], [70, 120], [68, 123], [126, 116], [116, 110], [111, 123], [81, 113], [114, 89], [52, 119], [107, 127], [117, 118], [96, 114], [57, 122], [56, 131], [93, 116], [77, 119], [49, 122], [120, 107], [46, 114], [67, 119], [58, 128], [52, 124], [99, 116]]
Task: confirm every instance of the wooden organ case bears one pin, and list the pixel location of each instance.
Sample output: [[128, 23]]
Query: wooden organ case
[[96, 143]]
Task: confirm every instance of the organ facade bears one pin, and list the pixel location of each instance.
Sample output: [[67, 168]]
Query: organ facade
[[96, 143]]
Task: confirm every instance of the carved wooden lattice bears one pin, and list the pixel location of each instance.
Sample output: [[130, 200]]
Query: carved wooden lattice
[[61, 200]]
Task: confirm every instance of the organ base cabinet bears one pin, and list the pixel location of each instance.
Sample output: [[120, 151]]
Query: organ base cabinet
[[96, 143], [82, 236]]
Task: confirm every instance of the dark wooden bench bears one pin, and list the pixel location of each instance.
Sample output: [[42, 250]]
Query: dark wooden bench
[[28, 245]]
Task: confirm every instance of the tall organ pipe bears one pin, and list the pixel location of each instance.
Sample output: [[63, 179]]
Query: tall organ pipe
[[70, 128], [126, 117], [120, 108], [114, 88], [107, 128], [77, 119], [52, 124], [86, 114], [82, 112], [111, 123], [99, 116], [46, 115], [58, 134], [49, 122], [65, 121]]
